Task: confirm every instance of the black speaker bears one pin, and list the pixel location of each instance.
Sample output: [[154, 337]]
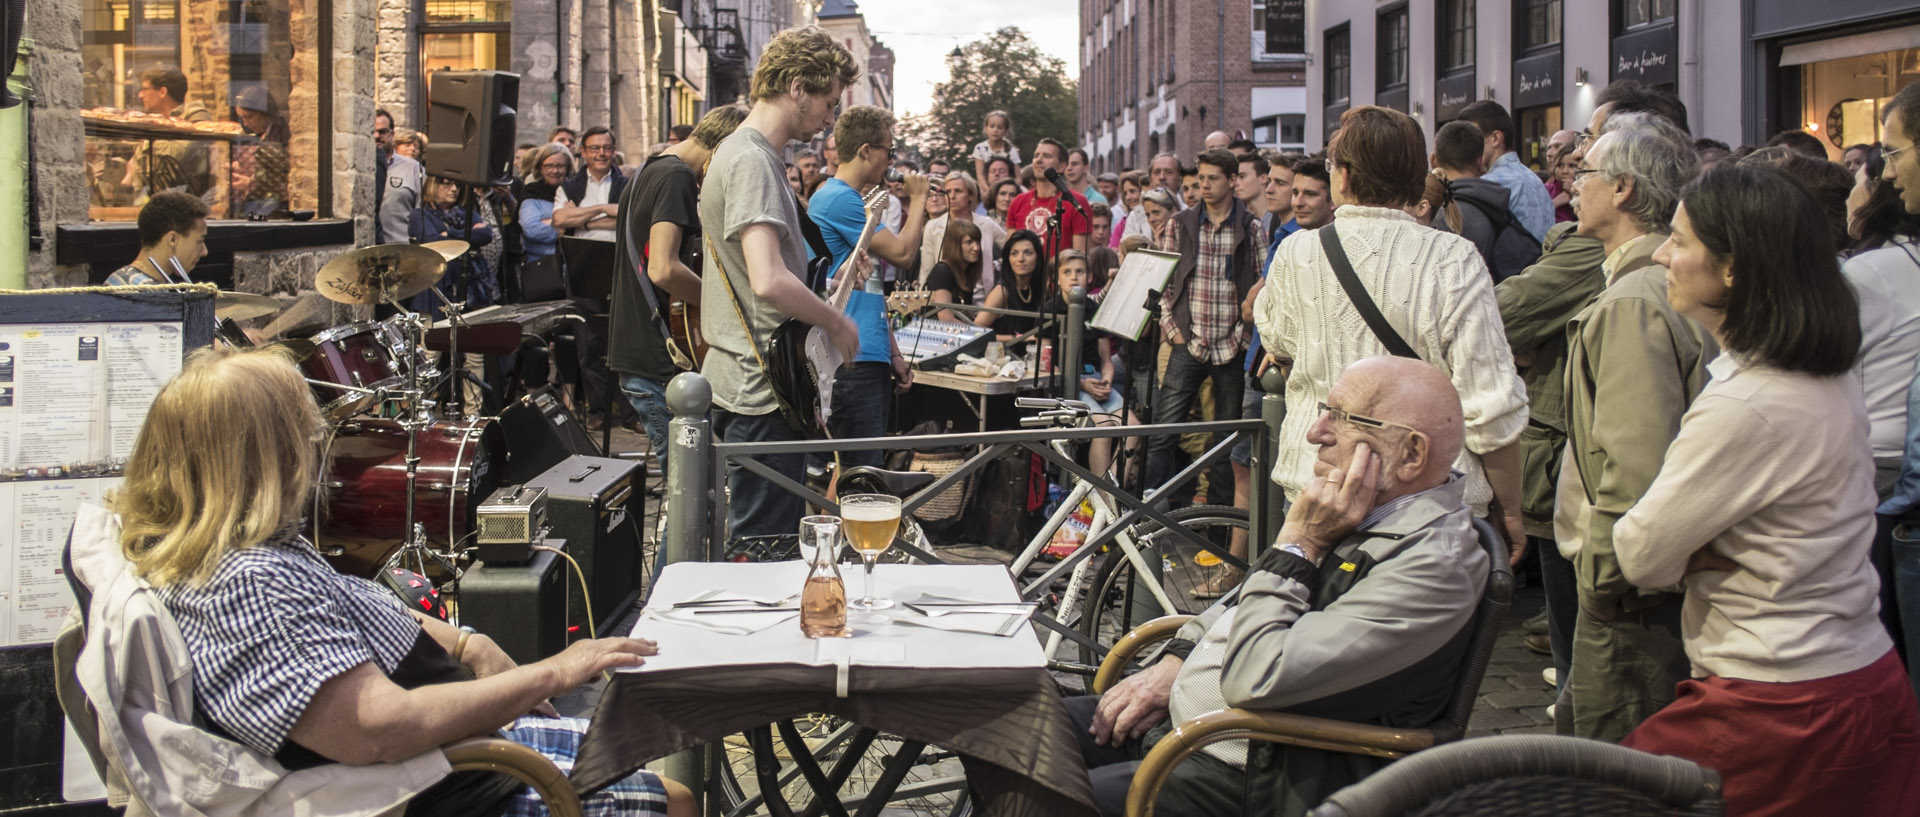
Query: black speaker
[[540, 432], [588, 505], [470, 125], [523, 607]]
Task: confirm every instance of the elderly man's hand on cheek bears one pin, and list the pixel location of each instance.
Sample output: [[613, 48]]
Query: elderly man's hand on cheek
[[1332, 506]]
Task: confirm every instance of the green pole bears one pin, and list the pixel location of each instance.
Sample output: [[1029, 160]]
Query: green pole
[[13, 181]]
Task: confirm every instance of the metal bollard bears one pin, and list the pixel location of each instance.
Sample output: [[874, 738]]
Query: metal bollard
[[688, 513], [689, 459], [1269, 500], [1068, 363]]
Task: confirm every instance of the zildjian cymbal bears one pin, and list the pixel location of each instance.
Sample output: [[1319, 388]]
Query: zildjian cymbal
[[242, 306], [372, 275], [449, 249]]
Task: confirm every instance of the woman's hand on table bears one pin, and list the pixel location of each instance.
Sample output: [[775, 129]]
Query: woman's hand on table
[[579, 663]]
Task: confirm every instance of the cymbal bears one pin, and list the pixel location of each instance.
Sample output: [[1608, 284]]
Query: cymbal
[[242, 306], [449, 249], [370, 275]]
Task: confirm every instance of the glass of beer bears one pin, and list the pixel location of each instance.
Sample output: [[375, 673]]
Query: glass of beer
[[870, 522]]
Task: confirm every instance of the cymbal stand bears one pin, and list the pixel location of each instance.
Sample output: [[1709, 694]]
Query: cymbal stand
[[455, 407], [414, 553]]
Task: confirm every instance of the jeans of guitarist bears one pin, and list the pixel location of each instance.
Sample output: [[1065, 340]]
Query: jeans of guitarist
[[756, 507]]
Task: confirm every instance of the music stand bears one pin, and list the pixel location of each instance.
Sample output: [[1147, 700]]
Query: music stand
[[1124, 310]]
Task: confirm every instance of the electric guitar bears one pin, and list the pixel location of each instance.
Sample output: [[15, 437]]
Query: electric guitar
[[801, 361]]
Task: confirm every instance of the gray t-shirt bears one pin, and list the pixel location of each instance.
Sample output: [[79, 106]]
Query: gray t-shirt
[[746, 184]]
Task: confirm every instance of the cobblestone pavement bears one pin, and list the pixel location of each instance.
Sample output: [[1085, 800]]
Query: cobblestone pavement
[[1513, 696]]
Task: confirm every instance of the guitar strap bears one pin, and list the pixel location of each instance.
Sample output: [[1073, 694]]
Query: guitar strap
[[638, 260], [753, 338]]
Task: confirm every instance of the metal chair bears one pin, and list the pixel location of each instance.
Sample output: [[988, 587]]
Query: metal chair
[[1306, 731], [1531, 775]]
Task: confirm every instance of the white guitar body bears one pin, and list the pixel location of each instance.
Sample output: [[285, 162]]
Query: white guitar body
[[823, 359]]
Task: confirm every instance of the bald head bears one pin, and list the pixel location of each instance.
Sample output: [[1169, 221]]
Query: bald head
[[1217, 139], [1403, 392]]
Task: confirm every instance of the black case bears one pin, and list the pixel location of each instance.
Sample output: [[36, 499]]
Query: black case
[[522, 607], [587, 505]]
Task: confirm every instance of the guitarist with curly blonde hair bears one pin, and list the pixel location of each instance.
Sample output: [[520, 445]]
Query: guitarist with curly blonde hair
[[750, 275]]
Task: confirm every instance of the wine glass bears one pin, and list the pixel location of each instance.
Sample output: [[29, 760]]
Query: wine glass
[[870, 521]]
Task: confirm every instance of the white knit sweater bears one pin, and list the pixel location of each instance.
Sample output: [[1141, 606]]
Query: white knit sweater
[[1433, 288]]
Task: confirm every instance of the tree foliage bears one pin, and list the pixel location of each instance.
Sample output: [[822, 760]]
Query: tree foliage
[[1004, 71]]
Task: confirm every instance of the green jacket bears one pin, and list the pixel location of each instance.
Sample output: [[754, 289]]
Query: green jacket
[[1633, 367], [1535, 306]]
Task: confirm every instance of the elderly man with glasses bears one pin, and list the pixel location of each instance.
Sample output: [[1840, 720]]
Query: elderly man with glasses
[[1360, 611], [1633, 368]]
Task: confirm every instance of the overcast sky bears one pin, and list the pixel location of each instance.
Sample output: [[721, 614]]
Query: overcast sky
[[922, 33]]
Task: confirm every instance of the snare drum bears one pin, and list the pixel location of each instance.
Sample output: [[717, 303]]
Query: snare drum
[[360, 513], [357, 354]]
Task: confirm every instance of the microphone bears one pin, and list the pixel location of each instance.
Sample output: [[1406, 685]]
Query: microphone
[[1060, 183]]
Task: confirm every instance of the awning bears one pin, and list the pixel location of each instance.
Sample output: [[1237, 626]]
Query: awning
[[1852, 45]]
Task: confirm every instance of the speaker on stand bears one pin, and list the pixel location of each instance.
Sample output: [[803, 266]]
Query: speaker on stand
[[470, 126]]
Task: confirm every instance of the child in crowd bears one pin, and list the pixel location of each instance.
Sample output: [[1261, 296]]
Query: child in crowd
[[999, 142]]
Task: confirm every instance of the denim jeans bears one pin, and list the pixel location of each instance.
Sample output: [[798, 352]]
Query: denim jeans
[[649, 400], [1249, 407], [756, 507], [1178, 391], [1203, 784], [862, 401], [1906, 591], [1562, 590]]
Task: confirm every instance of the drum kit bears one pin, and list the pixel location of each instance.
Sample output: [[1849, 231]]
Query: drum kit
[[398, 484]]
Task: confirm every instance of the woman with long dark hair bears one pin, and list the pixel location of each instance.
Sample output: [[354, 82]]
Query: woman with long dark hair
[[1763, 512], [1022, 286]]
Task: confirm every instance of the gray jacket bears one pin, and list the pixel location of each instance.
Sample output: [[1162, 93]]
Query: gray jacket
[[1275, 643], [405, 178]]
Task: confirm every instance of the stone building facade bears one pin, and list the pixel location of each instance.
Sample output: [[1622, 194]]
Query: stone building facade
[[1159, 75]]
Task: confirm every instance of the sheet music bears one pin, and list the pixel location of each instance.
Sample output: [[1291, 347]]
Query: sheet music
[[1123, 307]]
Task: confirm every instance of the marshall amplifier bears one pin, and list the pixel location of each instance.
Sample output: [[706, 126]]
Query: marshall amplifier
[[588, 505]]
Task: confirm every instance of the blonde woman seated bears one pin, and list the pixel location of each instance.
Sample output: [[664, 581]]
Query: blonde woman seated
[[300, 662]]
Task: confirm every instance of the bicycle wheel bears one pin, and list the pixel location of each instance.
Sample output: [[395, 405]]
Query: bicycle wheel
[[1120, 600], [934, 786]]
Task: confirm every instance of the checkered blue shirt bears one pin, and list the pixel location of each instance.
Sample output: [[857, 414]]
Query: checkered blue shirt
[[275, 622]]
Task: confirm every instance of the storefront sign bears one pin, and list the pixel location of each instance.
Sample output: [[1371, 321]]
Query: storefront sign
[[1286, 26], [1649, 55], [1536, 80], [1451, 94]]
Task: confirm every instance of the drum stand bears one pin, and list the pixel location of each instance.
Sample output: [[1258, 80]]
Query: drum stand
[[416, 417]]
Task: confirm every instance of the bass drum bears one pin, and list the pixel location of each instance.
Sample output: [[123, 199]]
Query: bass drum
[[360, 512]]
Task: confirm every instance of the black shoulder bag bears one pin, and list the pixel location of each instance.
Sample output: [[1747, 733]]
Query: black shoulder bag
[[1357, 293]]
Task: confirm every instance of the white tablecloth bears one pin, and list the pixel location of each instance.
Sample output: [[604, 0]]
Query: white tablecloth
[[877, 640]]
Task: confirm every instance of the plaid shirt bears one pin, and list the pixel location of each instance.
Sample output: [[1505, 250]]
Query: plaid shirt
[[1218, 333]]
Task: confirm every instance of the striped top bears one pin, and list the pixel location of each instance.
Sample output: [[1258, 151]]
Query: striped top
[[271, 625]]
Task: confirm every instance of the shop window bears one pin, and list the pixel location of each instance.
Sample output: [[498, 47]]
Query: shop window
[[1537, 23], [1842, 100], [1536, 126], [1457, 36], [1642, 13], [216, 99], [461, 35], [1339, 77]]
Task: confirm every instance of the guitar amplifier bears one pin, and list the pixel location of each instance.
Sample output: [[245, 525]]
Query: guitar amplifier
[[587, 505], [935, 345], [507, 524], [522, 607], [540, 431]]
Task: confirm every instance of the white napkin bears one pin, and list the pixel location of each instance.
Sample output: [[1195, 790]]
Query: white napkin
[[728, 623]]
